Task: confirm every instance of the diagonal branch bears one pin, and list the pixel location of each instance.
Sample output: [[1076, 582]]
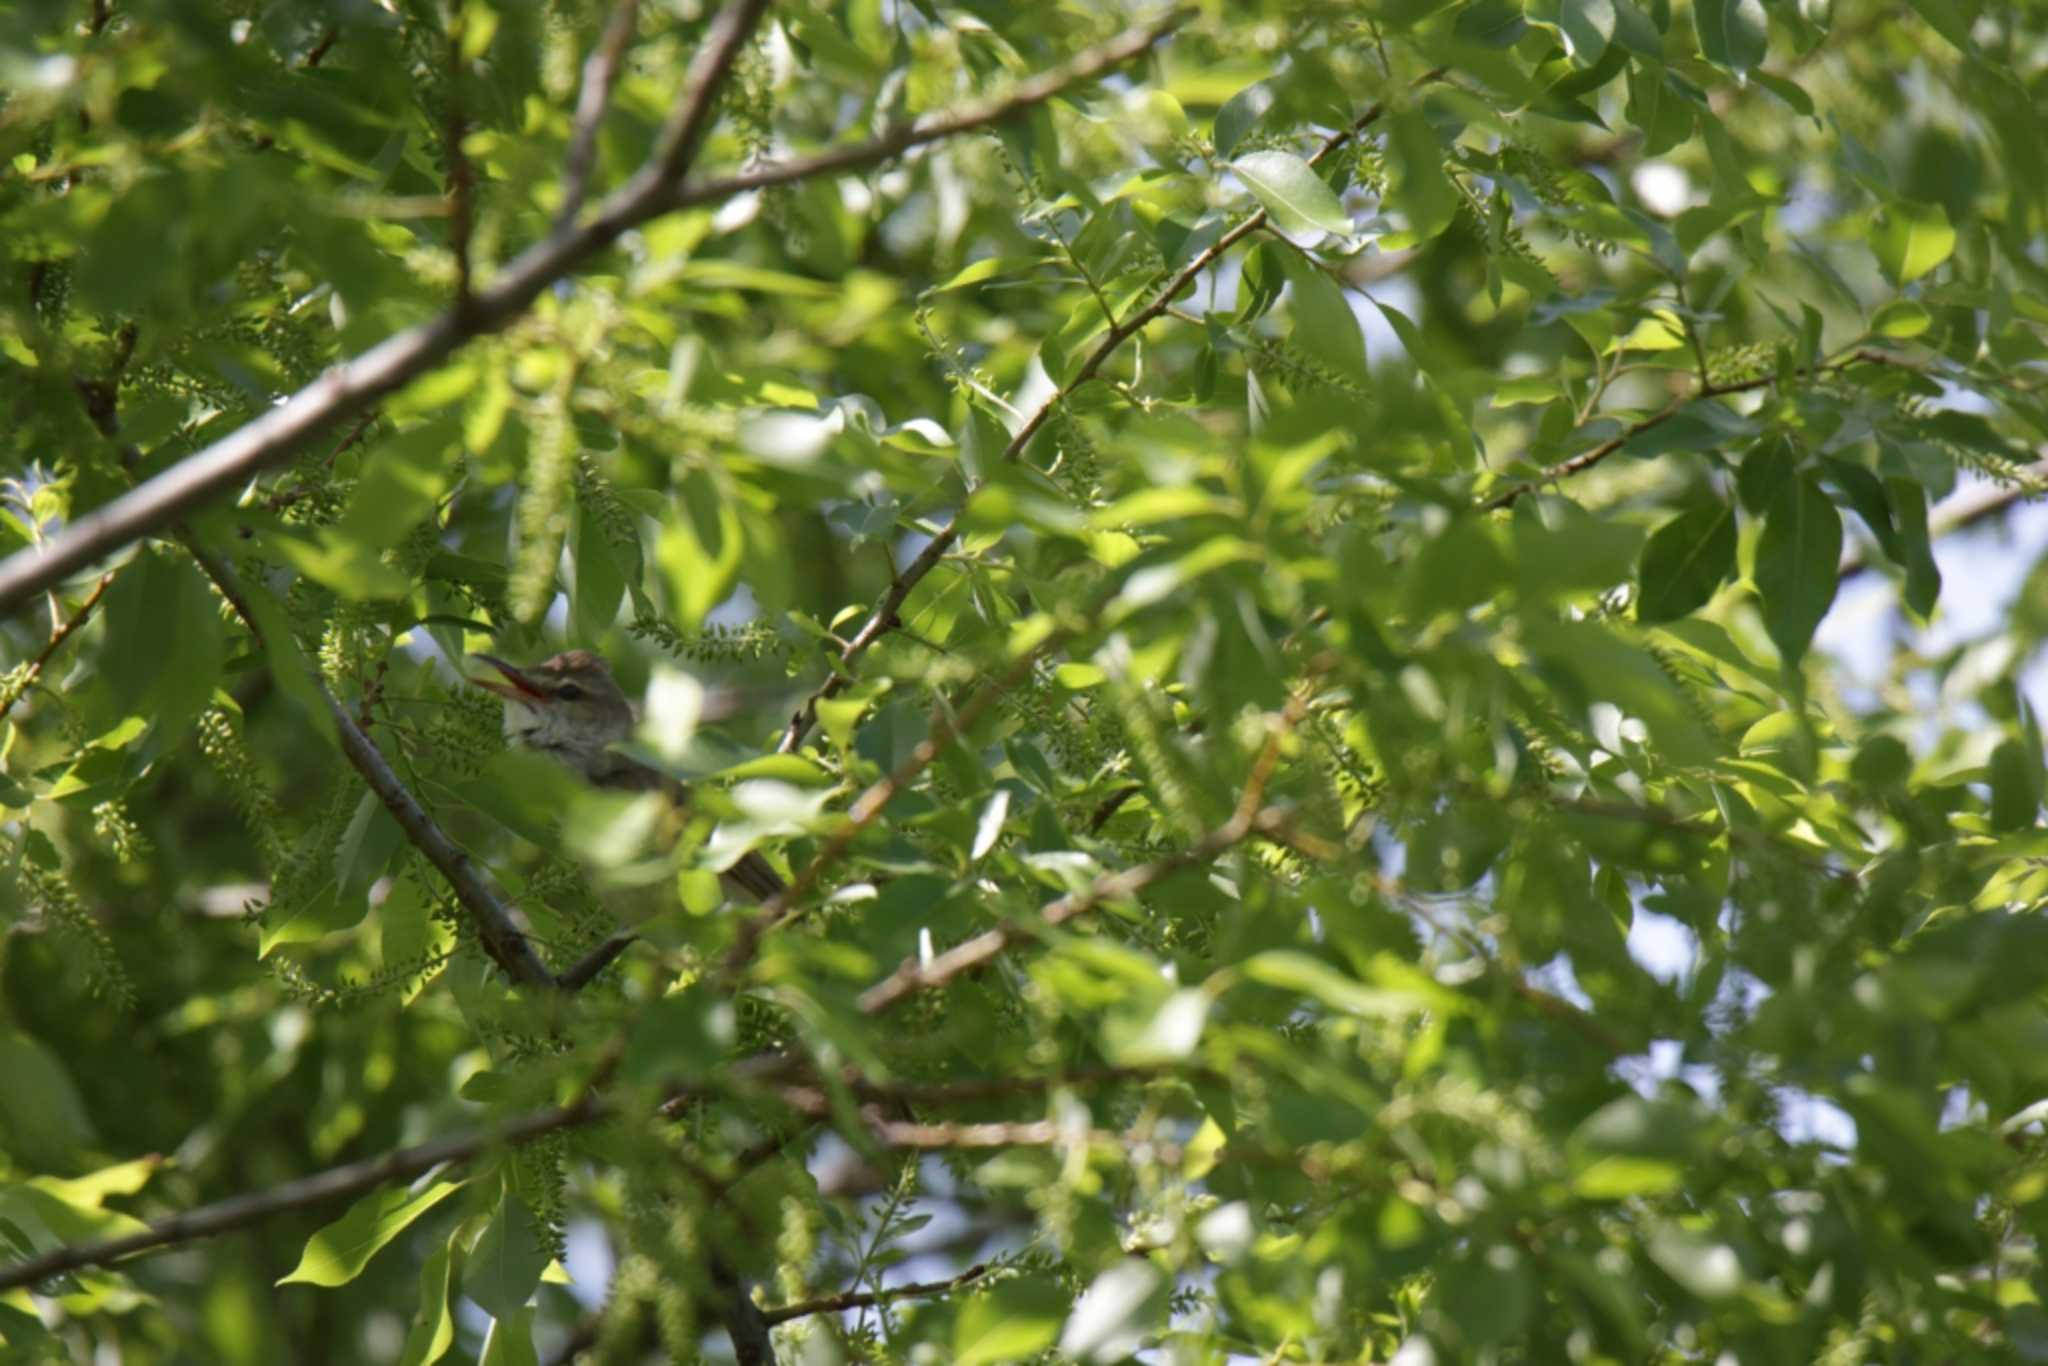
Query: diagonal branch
[[1251, 817], [600, 71], [653, 190], [884, 618], [946, 729], [1586, 459], [495, 928]]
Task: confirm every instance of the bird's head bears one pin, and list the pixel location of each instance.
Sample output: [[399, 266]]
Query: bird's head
[[569, 706]]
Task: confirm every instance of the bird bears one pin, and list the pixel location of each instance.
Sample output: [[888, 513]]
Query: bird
[[571, 708]]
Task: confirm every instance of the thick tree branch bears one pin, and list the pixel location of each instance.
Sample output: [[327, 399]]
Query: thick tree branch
[[243, 1211], [885, 617], [652, 191]]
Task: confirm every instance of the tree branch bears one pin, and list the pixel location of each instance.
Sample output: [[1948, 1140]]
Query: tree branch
[[242, 1211], [1586, 459], [865, 1299], [403, 1164], [600, 71], [653, 190], [884, 618], [495, 928]]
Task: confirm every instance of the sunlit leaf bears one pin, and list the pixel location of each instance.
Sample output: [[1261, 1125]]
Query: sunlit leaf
[[338, 1253]]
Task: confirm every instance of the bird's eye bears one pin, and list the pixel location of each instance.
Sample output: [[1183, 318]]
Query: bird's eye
[[570, 692]]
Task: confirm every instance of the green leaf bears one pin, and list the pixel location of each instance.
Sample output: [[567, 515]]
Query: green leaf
[[1901, 319], [433, 1324], [503, 1270], [1291, 970], [1115, 1314], [1797, 564], [1705, 1266], [2015, 787], [511, 1341], [1421, 191], [1324, 325], [43, 1120], [1911, 239], [1240, 114], [338, 1253], [699, 574], [1685, 561], [399, 486], [1014, 1321], [682, 1035], [1732, 32], [365, 850], [1951, 20], [1298, 201], [1923, 576], [164, 639], [600, 572], [1590, 26], [1489, 1295]]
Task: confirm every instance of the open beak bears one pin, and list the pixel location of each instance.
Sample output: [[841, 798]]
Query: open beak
[[516, 686]]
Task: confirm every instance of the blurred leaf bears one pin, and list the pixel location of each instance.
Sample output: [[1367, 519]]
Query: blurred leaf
[[1014, 1320], [1911, 239], [1732, 32], [42, 1116], [1685, 561], [1796, 564], [1324, 325], [164, 641], [503, 1270], [1115, 1313], [433, 1324]]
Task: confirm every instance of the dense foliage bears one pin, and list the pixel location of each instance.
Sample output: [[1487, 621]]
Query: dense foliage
[[1262, 558]]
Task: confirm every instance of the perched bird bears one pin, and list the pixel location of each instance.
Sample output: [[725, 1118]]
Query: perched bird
[[571, 707]]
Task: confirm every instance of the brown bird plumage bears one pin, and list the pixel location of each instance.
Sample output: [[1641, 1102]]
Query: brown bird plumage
[[571, 707]]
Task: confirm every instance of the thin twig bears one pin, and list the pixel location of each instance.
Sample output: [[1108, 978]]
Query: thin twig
[[62, 633], [600, 71], [865, 1299], [1586, 459], [946, 728], [1250, 817]]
